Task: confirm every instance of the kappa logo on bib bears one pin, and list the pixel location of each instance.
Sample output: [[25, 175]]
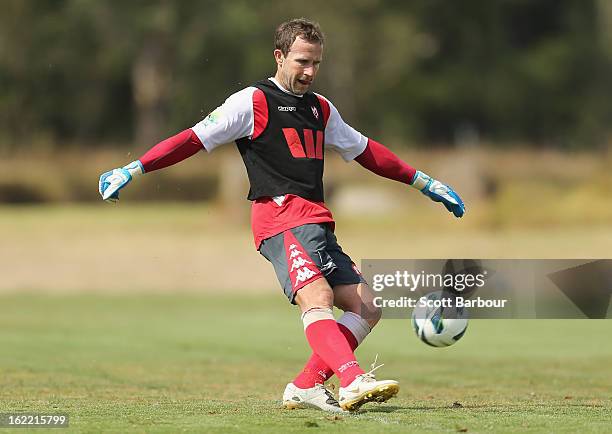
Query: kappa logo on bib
[[301, 267]]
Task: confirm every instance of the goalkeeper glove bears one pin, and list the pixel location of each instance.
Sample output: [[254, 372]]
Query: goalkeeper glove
[[114, 180], [439, 192]]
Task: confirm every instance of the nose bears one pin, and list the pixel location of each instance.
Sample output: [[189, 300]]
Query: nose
[[309, 71]]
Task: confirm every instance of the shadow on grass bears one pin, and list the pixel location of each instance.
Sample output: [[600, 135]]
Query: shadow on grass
[[509, 407], [383, 409]]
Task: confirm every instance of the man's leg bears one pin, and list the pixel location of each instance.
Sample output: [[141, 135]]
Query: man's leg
[[355, 298], [357, 301], [360, 316], [323, 333], [327, 340], [331, 346], [301, 264], [305, 258]]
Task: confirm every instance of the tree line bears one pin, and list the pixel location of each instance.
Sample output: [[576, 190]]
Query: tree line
[[98, 72]]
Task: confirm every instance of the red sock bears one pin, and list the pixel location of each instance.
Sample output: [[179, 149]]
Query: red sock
[[316, 370], [329, 343]]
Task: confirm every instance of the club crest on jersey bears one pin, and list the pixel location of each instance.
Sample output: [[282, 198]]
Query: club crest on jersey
[[315, 112], [212, 118]]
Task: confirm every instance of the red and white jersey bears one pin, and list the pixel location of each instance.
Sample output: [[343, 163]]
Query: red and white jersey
[[240, 116]]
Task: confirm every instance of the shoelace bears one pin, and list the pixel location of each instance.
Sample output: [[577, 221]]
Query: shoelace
[[369, 376]]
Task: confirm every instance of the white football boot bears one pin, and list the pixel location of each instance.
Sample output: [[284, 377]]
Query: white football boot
[[365, 388], [313, 397]]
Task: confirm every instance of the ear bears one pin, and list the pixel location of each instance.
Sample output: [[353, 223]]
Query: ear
[[279, 57]]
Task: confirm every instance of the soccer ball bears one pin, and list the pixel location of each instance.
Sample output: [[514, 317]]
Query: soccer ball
[[436, 320]]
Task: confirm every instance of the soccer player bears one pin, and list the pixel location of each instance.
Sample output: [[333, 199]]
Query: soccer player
[[281, 129]]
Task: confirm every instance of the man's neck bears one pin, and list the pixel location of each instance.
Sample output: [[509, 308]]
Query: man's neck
[[280, 86]]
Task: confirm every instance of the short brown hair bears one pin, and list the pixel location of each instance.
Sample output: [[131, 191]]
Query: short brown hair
[[287, 32]]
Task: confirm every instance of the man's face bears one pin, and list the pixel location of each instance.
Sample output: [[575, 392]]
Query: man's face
[[298, 69]]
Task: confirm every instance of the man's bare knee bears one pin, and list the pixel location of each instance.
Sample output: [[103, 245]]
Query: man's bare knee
[[315, 294]]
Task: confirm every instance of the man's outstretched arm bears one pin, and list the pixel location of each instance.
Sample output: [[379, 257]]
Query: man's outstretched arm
[[228, 122], [166, 153], [380, 160]]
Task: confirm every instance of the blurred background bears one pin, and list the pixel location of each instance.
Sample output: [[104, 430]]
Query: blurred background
[[507, 101]]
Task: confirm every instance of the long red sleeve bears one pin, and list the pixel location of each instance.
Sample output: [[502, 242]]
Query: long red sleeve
[[171, 151], [380, 160]]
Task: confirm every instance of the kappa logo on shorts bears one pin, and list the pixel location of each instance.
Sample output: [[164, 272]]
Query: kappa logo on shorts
[[298, 262], [301, 267], [303, 275]]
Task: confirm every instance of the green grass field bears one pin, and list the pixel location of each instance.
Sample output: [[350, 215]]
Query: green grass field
[[219, 363], [163, 318]]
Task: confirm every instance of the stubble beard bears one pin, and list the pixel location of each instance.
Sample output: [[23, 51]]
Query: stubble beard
[[291, 84]]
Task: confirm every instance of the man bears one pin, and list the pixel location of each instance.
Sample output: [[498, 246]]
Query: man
[[281, 129]]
